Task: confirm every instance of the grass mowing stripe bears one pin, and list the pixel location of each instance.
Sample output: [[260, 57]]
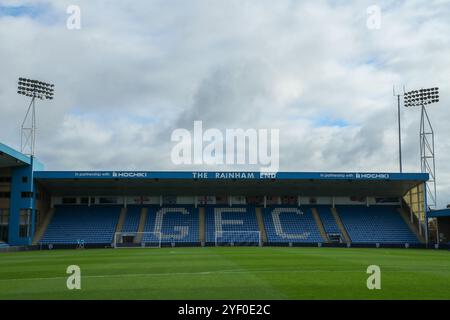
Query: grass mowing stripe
[[226, 273]]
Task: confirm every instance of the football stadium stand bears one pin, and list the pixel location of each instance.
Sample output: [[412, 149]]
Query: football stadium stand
[[74, 223], [131, 208], [238, 224]]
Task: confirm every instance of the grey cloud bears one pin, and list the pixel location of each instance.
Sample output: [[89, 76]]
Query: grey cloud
[[133, 74]]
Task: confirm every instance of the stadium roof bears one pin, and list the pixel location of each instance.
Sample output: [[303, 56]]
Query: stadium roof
[[228, 183], [12, 158], [439, 213]]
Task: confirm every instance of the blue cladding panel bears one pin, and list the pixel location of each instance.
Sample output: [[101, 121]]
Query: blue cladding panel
[[18, 186]]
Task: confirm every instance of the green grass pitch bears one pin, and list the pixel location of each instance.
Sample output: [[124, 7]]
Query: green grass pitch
[[226, 273]]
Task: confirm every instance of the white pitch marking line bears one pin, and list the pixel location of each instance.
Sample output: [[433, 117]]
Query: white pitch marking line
[[189, 273]]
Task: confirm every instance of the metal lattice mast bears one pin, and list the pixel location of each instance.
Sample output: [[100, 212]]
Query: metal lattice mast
[[35, 90], [427, 155], [422, 98], [28, 130]]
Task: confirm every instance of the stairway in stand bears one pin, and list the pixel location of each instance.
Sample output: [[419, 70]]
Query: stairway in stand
[[262, 229], [122, 217], [201, 233], [319, 223], [142, 220], [341, 225], [40, 232]]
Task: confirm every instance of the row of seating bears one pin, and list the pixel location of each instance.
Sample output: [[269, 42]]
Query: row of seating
[[72, 224], [223, 224], [174, 224], [375, 224], [132, 219], [237, 224], [290, 224]]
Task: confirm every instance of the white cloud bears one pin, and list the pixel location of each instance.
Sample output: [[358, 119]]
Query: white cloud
[[133, 74]]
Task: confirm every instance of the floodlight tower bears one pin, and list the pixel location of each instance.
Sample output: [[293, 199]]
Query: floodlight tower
[[35, 90], [422, 98]]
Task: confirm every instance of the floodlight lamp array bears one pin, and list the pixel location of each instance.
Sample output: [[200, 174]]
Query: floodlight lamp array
[[421, 97], [35, 89]]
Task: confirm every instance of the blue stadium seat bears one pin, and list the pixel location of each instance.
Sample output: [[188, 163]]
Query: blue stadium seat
[[72, 223], [179, 224], [375, 224], [328, 221], [290, 224], [237, 219], [132, 218]]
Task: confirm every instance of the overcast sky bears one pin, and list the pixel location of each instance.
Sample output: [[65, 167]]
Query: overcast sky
[[137, 70]]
